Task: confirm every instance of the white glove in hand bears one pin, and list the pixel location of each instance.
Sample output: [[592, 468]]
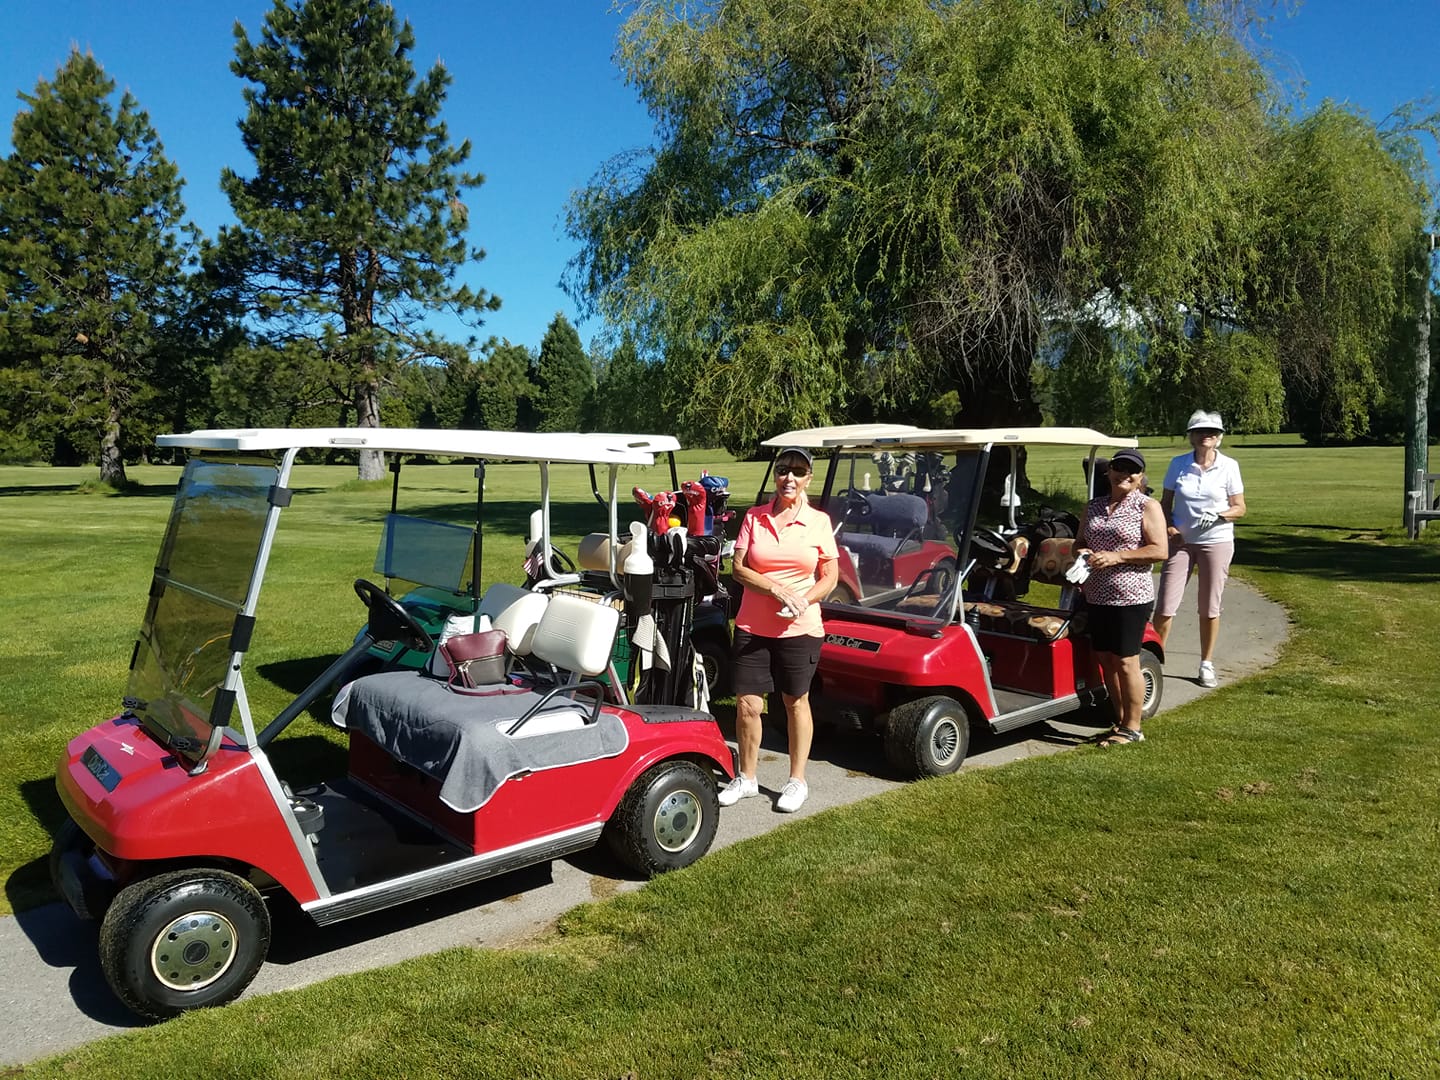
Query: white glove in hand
[[1078, 572], [1206, 520]]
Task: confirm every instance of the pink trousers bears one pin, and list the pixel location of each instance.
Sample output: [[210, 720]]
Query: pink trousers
[[1213, 563]]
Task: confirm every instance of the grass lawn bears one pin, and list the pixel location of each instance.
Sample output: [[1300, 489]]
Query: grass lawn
[[1251, 892]]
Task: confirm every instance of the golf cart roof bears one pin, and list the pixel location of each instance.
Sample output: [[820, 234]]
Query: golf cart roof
[[841, 436], [601, 448], [955, 438]]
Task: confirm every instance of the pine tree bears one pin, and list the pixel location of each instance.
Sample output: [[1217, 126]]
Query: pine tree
[[92, 248], [352, 227], [502, 383], [563, 378]]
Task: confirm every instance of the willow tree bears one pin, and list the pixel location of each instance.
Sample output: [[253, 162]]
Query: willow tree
[[92, 251], [352, 229], [894, 196], [1339, 224]]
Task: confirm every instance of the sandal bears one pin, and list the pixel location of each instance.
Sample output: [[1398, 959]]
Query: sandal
[[1122, 737]]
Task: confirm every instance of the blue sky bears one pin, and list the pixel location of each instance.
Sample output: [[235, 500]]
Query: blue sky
[[537, 94]]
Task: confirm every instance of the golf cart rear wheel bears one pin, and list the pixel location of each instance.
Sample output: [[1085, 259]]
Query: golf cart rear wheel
[[183, 940], [928, 737], [1152, 674], [666, 820], [841, 594]]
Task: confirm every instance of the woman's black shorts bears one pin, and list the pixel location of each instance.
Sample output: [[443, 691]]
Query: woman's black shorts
[[763, 664], [1117, 629]]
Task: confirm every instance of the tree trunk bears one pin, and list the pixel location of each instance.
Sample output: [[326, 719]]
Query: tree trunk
[[112, 461], [1002, 402], [367, 407]]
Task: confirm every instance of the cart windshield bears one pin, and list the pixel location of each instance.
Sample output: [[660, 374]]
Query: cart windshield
[[202, 578]]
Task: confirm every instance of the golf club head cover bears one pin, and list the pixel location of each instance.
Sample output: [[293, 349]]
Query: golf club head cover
[[696, 523], [717, 491], [657, 508], [664, 510]]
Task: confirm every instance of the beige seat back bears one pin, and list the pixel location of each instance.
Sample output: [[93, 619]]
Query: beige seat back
[[576, 635], [515, 610]]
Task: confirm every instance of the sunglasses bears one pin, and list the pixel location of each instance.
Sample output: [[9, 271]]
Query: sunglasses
[[1205, 432], [1124, 469], [798, 471]]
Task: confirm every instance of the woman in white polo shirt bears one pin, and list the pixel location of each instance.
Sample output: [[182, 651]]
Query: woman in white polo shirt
[[1203, 496]]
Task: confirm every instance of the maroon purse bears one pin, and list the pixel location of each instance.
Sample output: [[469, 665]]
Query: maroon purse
[[476, 660]]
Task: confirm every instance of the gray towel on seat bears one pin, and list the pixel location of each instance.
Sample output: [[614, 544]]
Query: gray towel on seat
[[460, 740]]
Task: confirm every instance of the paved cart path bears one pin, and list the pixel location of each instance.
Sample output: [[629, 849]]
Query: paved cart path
[[54, 997]]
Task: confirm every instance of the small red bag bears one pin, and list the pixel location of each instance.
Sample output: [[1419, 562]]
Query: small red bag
[[475, 660]]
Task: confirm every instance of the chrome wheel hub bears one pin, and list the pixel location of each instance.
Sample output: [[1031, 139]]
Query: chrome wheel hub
[[677, 820], [944, 742], [193, 951]]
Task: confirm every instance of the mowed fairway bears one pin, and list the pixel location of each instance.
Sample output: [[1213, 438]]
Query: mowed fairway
[[1251, 892]]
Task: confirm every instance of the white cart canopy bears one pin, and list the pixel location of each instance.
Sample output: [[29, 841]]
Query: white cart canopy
[[593, 449]]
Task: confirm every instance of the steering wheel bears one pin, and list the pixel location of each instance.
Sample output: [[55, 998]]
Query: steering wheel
[[990, 547], [857, 505], [567, 565], [389, 621]]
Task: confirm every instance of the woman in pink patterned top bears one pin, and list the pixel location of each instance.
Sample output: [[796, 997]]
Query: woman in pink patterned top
[[1123, 534]]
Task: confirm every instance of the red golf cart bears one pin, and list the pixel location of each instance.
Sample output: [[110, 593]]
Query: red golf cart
[[921, 665], [181, 828]]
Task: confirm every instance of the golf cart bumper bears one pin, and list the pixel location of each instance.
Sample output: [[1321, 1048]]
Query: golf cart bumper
[[86, 881], [140, 807]]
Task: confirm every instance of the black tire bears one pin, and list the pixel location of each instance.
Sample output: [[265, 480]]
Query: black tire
[[184, 940], [928, 737], [1152, 673], [841, 594], [666, 820], [715, 655], [944, 574]]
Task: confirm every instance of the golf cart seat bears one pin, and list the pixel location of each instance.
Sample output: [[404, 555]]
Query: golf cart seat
[[1012, 579], [895, 520], [1051, 559], [472, 744], [515, 610], [576, 635]]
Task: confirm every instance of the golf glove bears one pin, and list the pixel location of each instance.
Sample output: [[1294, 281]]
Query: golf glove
[[1206, 520], [1078, 572]]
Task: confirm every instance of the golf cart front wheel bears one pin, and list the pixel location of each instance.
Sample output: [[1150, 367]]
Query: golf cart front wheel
[[667, 819], [928, 737], [183, 940], [1152, 675]]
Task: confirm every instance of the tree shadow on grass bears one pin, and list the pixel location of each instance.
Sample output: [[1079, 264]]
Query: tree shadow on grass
[[129, 491], [1356, 555]]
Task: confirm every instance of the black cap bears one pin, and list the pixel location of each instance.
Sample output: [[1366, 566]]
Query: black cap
[[1130, 457], [796, 451]]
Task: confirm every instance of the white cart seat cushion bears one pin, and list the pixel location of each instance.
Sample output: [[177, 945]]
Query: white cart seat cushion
[[576, 635], [515, 610]]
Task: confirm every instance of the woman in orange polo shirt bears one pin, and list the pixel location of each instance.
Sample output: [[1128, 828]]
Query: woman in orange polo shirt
[[785, 558]]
